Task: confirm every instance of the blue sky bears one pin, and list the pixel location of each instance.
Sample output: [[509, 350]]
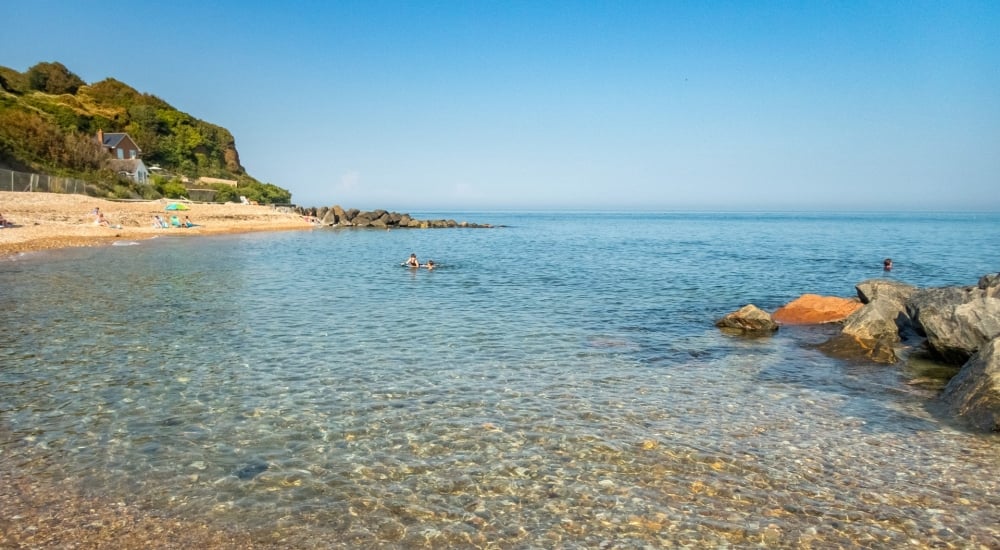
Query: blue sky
[[567, 105]]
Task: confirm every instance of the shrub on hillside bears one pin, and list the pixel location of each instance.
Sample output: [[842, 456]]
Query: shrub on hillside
[[172, 190], [53, 78], [226, 193]]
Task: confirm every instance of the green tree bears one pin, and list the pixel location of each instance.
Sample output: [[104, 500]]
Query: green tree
[[173, 190], [13, 81], [226, 193], [53, 78], [144, 127]]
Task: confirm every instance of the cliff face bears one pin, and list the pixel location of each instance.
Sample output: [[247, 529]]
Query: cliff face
[[49, 119], [232, 157]]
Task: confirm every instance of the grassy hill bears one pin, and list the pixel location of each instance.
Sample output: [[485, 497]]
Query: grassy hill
[[49, 119]]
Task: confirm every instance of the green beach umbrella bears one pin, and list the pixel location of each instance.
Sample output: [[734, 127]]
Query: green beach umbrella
[[177, 206]]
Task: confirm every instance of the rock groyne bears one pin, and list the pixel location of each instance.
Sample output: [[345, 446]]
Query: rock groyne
[[337, 216]]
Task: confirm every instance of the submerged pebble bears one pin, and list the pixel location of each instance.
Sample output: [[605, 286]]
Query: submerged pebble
[[250, 471]]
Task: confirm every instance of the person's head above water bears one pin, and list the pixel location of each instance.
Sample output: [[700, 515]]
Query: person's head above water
[[887, 264]]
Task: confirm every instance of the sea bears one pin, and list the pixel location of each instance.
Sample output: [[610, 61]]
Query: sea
[[556, 382]]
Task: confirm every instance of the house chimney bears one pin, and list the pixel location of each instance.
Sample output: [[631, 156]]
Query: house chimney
[[100, 137]]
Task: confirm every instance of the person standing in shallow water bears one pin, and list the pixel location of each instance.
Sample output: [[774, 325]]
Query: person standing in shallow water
[[887, 264]]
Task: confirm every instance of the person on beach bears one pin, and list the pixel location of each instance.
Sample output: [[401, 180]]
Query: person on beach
[[4, 222], [412, 261], [887, 264], [188, 222], [102, 221], [159, 222]]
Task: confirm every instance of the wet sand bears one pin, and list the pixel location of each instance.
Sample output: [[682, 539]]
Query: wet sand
[[54, 220]]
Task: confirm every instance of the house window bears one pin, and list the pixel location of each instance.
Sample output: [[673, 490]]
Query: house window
[[121, 154], [131, 153]]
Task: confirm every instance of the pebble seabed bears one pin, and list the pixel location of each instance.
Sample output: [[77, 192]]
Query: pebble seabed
[[545, 487], [149, 424]]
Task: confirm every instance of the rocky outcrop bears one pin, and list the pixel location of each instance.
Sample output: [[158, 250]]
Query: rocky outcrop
[[812, 309], [954, 325], [974, 393], [336, 216], [879, 325], [875, 329], [749, 320], [874, 289], [845, 346], [951, 323], [957, 322]]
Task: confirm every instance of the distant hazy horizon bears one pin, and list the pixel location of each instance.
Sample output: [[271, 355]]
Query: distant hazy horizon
[[655, 106]]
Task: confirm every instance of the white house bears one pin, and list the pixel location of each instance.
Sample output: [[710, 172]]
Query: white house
[[134, 169]]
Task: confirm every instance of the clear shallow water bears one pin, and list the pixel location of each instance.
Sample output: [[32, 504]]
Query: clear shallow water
[[556, 382]]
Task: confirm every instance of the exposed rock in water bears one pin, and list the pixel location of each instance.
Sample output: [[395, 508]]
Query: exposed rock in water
[[879, 325], [974, 393], [953, 325], [846, 346], [811, 309], [749, 320], [957, 322], [874, 289], [378, 219]]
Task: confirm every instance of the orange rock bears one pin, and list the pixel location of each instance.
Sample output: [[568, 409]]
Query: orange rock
[[812, 309]]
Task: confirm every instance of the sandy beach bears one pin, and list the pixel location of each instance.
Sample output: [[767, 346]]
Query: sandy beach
[[54, 220]]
